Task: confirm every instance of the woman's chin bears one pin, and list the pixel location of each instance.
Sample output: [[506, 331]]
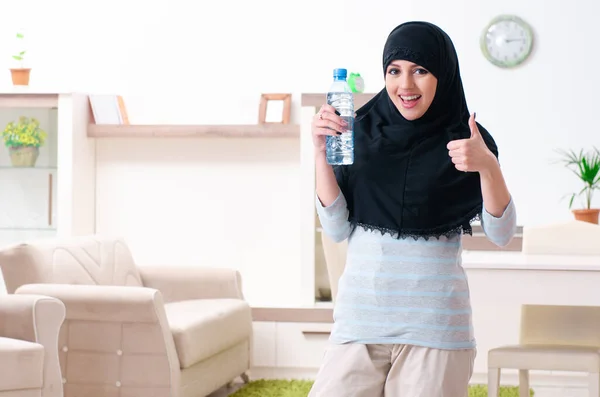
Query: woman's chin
[[410, 114]]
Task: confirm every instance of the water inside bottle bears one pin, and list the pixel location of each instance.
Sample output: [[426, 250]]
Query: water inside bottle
[[340, 149]]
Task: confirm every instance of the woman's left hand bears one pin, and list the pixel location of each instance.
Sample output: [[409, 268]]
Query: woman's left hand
[[471, 154]]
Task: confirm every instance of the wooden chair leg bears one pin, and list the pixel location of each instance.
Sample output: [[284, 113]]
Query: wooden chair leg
[[493, 382], [594, 384], [523, 383]]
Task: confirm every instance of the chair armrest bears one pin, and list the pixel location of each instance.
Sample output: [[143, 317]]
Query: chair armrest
[[184, 283], [37, 319], [106, 303], [122, 330], [30, 317]]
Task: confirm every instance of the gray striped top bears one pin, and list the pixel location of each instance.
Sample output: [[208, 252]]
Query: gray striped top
[[405, 291]]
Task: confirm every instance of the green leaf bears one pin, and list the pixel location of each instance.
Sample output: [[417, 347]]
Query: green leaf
[[17, 57], [571, 201], [20, 35], [586, 166]]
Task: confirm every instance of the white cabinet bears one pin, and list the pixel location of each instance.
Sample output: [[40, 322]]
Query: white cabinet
[[56, 196], [301, 345], [28, 198], [287, 345], [264, 349]]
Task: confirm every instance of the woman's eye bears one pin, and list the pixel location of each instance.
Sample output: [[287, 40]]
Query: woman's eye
[[421, 71], [393, 71]]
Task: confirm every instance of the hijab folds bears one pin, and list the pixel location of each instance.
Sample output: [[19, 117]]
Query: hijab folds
[[403, 181]]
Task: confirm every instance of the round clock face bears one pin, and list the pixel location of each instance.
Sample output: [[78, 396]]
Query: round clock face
[[507, 41]]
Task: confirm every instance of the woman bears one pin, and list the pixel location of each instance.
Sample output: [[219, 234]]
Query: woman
[[424, 170]]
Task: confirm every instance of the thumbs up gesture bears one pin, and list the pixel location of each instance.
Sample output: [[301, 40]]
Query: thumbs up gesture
[[471, 154]]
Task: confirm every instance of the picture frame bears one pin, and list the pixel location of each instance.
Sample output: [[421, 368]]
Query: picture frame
[[108, 109], [275, 109]]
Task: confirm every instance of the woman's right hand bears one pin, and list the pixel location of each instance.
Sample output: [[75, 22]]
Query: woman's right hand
[[326, 122]]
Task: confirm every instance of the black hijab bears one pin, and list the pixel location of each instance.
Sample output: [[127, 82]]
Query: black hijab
[[403, 181]]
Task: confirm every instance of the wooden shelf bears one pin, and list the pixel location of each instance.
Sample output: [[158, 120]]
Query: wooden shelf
[[293, 315], [191, 131], [28, 100]]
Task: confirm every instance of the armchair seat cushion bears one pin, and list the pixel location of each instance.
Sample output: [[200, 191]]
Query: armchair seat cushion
[[202, 328], [22, 364]]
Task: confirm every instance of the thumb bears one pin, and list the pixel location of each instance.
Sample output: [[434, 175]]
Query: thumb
[[473, 126]]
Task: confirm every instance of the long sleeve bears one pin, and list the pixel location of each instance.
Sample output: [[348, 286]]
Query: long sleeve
[[501, 230], [334, 218]]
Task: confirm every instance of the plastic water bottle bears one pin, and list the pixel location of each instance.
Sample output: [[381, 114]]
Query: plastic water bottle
[[340, 149]]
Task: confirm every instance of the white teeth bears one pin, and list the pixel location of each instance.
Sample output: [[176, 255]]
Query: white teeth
[[410, 98]]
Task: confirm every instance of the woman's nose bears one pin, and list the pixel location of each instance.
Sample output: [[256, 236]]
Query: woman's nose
[[406, 81]]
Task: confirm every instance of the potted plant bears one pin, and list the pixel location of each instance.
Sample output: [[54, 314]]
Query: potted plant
[[23, 140], [20, 76], [587, 168]]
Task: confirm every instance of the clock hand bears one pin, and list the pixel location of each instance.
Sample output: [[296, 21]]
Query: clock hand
[[511, 40]]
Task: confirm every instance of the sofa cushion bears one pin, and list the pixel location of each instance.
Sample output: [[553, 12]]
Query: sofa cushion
[[22, 364], [204, 327]]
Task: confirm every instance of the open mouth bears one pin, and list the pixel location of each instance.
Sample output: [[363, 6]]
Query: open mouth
[[409, 101]]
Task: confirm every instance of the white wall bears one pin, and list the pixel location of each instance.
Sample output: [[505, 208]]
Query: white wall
[[209, 201]]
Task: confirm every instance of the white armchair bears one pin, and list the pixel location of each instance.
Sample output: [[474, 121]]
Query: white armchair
[[136, 331], [29, 327]]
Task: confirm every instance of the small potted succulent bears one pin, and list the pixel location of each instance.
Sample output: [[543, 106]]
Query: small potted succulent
[[20, 76], [587, 168], [23, 140]]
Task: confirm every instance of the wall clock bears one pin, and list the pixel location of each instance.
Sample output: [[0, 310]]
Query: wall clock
[[507, 41]]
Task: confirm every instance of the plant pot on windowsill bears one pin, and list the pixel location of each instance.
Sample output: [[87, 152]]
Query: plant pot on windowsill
[[23, 156], [590, 215], [20, 76]]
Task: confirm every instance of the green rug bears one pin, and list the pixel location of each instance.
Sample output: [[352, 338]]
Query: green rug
[[300, 388]]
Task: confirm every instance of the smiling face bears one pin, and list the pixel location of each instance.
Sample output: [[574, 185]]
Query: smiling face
[[411, 88]]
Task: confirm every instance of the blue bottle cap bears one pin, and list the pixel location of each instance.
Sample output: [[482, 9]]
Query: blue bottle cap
[[340, 73]]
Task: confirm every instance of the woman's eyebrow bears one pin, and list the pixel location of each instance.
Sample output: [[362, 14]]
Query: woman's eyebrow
[[412, 65]]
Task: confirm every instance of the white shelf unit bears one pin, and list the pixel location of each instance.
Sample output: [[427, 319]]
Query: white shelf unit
[[56, 197]]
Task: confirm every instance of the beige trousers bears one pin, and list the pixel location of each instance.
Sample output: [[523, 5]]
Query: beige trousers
[[359, 370]]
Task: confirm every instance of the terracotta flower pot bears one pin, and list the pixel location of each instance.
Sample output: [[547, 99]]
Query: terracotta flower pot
[[20, 76], [24, 156], [587, 215]]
